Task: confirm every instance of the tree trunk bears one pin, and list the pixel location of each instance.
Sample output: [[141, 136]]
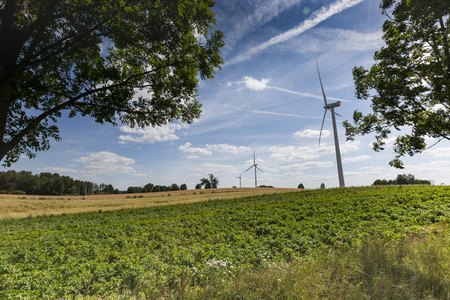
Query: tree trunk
[[12, 40]]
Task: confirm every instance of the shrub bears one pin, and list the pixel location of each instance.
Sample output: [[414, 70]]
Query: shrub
[[18, 192]]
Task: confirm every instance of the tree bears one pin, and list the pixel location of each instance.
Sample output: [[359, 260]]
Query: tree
[[205, 182], [410, 81], [209, 183], [402, 179], [214, 181], [174, 187], [322, 185], [183, 187], [93, 58], [198, 186], [300, 186], [148, 188]]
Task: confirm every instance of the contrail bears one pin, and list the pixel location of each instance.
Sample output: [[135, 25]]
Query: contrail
[[317, 17], [283, 114]]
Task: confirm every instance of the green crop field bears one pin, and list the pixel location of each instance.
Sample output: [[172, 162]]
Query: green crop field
[[136, 252]]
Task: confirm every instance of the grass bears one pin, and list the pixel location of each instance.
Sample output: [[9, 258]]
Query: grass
[[416, 266], [16, 207]]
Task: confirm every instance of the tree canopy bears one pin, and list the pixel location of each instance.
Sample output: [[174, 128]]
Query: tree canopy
[[209, 183], [409, 85], [136, 62]]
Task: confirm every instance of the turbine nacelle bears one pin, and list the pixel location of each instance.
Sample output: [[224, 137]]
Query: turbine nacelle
[[332, 105], [255, 165]]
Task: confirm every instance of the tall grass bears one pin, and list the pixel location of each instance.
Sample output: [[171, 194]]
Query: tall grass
[[413, 267]]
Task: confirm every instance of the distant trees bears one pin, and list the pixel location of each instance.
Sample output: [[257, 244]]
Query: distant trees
[[49, 184], [402, 179], [151, 188], [300, 186], [209, 183], [322, 185]]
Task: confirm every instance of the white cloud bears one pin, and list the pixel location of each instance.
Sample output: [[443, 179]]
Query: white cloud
[[225, 148], [438, 152], [59, 170], [356, 158], [316, 18], [291, 153], [254, 84], [311, 133], [151, 134], [309, 165], [208, 149], [186, 148], [106, 162], [218, 168]]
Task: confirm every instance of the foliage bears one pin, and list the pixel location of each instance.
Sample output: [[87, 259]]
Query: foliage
[[148, 250], [183, 187], [411, 79], [49, 184], [300, 186], [322, 185], [412, 267], [209, 183], [137, 62], [402, 179]]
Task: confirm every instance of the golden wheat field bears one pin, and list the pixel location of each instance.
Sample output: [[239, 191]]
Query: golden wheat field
[[19, 206]]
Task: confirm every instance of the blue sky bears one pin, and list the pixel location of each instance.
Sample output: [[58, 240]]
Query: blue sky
[[266, 99]]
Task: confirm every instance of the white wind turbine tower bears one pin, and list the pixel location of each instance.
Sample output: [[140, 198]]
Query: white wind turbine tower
[[240, 180], [331, 107], [256, 167]]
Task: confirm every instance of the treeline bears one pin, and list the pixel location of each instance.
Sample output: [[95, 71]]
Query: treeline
[[402, 179], [151, 188], [24, 182]]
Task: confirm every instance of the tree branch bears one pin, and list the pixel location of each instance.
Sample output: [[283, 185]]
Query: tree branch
[[73, 102]]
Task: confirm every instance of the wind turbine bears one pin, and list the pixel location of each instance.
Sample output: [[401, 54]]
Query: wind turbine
[[331, 107], [240, 180], [256, 167]]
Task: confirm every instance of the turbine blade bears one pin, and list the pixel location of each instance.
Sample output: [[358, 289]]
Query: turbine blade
[[321, 127], [259, 169], [248, 169], [337, 114], [321, 86]]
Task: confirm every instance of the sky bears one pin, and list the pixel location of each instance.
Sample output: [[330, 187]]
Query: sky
[[266, 101]]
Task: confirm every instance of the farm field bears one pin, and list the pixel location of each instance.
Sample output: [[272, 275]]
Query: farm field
[[15, 206], [148, 253]]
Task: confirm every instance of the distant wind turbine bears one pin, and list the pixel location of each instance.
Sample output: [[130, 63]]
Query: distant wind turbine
[[256, 167], [240, 180], [331, 107]]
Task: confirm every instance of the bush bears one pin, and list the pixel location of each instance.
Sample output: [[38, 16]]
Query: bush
[[18, 192], [3, 192]]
